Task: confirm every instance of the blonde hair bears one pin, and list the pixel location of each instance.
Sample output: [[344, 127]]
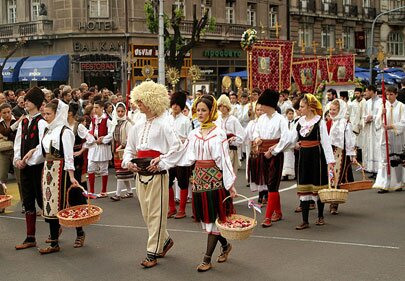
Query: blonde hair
[[152, 95], [225, 101]]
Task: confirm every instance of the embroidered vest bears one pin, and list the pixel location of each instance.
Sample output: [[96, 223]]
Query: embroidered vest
[[29, 134], [101, 127]]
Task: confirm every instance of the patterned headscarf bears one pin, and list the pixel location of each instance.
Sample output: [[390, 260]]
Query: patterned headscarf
[[209, 122], [314, 104]]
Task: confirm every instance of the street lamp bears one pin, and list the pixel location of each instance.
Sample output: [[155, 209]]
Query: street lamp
[[161, 70], [371, 53]]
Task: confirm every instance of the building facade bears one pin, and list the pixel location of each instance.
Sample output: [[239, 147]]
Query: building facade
[[343, 26], [393, 32]]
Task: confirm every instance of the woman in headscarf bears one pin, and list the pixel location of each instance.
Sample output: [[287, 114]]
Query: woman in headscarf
[[343, 144], [315, 157], [58, 174], [213, 176], [120, 135]]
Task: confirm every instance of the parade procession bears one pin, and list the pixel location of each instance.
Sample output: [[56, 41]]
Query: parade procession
[[157, 140]]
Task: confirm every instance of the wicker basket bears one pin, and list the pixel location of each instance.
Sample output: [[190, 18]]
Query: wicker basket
[[357, 185], [5, 200], [237, 233], [333, 195], [93, 217]]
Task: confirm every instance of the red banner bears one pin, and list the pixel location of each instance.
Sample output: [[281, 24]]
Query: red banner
[[342, 67], [304, 72], [265, 67], [286, 59], [323, 71]]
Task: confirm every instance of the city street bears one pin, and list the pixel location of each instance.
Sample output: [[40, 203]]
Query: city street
[[364, 242]]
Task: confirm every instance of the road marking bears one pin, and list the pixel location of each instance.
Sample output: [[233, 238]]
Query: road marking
[[252, 236], [257, 196]]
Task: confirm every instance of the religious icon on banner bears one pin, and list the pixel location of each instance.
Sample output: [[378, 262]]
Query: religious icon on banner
[[264, 65], [306, 76], [341, 72]]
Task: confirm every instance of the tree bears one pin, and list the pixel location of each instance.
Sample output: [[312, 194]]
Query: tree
[[176, 46], [5, 49]]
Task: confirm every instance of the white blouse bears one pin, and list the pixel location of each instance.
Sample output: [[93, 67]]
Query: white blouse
[[52, 138], [325, 140], [152, 134], [214, 146], [273, 127], [181, 125], [231, 125], [100, 152]]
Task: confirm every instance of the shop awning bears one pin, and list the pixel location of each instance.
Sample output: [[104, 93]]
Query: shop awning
[[11, 69], [242, 74], [45, 68]]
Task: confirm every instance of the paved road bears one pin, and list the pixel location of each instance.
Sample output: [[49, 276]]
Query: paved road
[[364, 242]]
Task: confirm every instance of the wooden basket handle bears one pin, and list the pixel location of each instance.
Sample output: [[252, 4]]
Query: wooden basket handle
[[68, 191], [243, 196], [334, 177]]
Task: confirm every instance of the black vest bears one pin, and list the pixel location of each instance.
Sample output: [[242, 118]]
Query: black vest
[[29, 134]]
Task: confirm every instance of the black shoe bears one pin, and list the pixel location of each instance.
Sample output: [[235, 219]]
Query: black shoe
[[382, 191], [399, 189]]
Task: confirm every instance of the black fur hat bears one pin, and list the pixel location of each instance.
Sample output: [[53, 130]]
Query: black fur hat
[[36, 96], [179, 98], [269, 98]]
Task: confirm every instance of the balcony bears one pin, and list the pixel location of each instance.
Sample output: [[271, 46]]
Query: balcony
[[397, 18], [350, 10], [369, 13], [223, 31], [307, 6], [36, 30]]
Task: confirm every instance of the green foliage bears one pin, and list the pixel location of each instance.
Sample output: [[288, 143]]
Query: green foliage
[[152, 20]]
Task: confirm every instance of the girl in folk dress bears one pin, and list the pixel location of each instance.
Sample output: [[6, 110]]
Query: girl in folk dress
[[58, 174], [289, 158], [315, 148], [121, 131], [343, 144], [213, 176], [252, 167]]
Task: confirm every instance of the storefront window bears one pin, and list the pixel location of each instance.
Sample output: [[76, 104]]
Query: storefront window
[[99, 9], [11, 11]]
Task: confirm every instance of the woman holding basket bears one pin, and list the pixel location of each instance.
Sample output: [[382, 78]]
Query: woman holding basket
[[343, 142], [315, 148], [213, 176], [58, 174], [120, 136]]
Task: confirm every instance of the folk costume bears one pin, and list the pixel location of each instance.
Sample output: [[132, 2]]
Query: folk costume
[[316, 149], [121, 131], [273, 132], [148, 139], [289, 157], [182, 127], [29, 133], [213, 176], [234, 132], [371, 153], [395, 117], [343, 145], [100, 154], [57, 149]]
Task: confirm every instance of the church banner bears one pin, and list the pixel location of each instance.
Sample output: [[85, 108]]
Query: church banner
[[286, 59], [342, 67], [265, 67], [304, 72], [322, 73]]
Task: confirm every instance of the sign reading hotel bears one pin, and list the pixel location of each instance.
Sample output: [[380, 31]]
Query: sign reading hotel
[[97, 26]]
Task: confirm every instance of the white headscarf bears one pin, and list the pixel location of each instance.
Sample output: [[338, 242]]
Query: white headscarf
[[115, 117], [339, 122], [61, 116]]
